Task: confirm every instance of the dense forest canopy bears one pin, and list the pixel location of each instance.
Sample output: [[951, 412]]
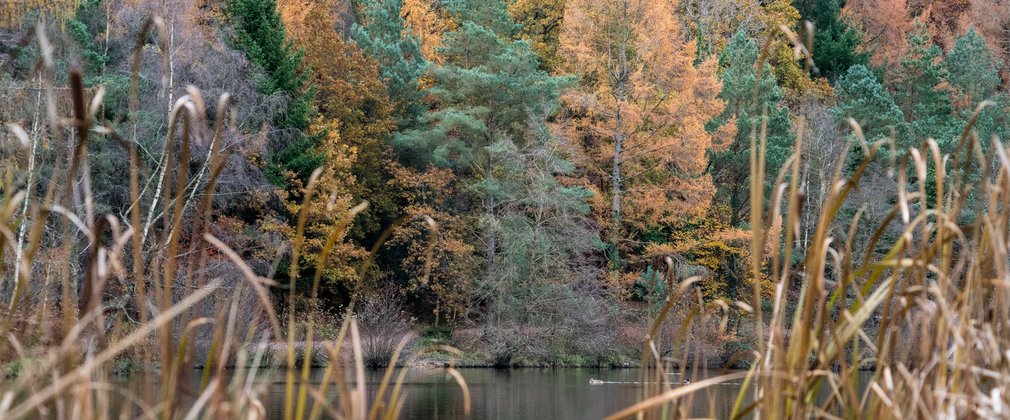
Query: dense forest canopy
[[529, 168]]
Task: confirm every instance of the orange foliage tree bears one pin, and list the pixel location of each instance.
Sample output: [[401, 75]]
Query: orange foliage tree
[[430, 247], [640, 110], [885, 24], [991, 18], [354, 115], [428, 20], [943, 18]]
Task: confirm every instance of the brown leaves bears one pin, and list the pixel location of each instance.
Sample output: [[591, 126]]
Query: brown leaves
[[885, 25]]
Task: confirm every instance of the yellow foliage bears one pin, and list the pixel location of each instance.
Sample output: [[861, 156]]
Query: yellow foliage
[[428, 21], [14, 12], [656, 102]]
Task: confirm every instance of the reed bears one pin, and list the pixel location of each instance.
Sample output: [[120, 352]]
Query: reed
[[68, 373], [939, 290]]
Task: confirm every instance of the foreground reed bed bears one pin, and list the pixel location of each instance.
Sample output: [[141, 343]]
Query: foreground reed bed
[[926, 309], [61, 350]]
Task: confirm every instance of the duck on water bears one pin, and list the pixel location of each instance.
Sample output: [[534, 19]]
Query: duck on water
[[593, 381]]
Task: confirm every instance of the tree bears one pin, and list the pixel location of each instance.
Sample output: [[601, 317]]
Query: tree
[[640, 110], [748, 97], [974, 71], [942, 18], [428, 20], [863, 98], [836, 43], [260, 34], [541, 24], [545, 239], [776, 13], [975, 78], [489, 87], [713, 23], [353, 99], [435, 260], [383, 36], [918, 92], [884, 24], [327, 214], [991, 18], [13, 13]]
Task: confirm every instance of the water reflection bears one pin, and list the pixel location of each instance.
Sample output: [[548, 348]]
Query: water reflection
[[527, 394]]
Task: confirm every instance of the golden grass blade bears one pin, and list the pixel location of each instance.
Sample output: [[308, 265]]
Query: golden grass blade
[[90, 364]]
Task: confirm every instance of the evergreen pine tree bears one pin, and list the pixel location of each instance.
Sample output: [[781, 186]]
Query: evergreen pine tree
[[488, 85], [927, 108], [384, 37], [835, 41], [975, 78], [260, 34], [544, 236], [863, 98], [731, 168], [490, 90]]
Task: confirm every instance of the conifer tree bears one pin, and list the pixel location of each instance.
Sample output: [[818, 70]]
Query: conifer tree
[[974, 77], [384, 37], [835, 41], [863, 98], [260, 34], [545, 238], [490, 87], [918, 93], [747, 100], [640, 112], [972, 68]]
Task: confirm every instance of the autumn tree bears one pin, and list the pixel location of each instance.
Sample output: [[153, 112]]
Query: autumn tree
[[327, 215], [488, 87], [750, 95], [260, 34], [428, 20], [713, 23], [884, 24], [13, 13], [354, 101], [943, 19], [640, 110], [431, 252], [787, 69], [540, 22]]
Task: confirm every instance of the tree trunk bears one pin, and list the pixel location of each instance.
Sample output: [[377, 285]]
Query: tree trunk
[[615, 180], [620, 75], [490, 239]]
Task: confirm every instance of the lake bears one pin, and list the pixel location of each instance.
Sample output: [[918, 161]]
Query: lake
[[527, 393]]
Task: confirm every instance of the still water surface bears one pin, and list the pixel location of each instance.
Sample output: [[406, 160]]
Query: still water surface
[[528, 394]]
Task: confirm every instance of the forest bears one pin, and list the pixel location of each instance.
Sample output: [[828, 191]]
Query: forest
[[512, 183]]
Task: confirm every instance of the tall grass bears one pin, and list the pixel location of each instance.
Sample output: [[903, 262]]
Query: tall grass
[[930, 314], [67, 373]]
